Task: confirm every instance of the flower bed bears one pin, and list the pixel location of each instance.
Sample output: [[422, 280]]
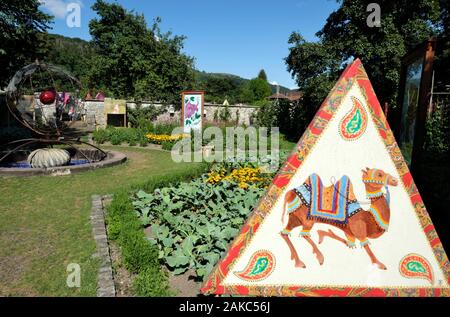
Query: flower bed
[[160, 138]]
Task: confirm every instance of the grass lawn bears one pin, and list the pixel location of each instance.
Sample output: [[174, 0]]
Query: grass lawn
[[45, 224]]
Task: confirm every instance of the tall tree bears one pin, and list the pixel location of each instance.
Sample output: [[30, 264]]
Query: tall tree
[[262, 75], [255, 90], [346, 35], [21, 23], [136, 61]]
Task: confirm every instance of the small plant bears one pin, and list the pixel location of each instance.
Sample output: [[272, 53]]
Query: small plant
[[167, 145]]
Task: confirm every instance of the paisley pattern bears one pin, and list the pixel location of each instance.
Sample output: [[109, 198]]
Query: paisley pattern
[[259, 267], [416, 266], [354, 123]]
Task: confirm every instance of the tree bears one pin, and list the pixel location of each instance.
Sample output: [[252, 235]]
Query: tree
[[255, 90], [21, 23], [262, 75], [133, 61], [346, 35], [219, 88]]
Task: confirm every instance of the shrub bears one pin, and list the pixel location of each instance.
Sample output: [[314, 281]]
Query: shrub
[[165, 127], [101, 136], [167, 145]]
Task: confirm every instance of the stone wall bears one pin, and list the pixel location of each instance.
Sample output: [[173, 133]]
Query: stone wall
[[95, 116], [243, 114]]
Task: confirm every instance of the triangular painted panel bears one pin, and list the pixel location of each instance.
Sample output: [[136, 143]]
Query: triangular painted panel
[[343, 216]]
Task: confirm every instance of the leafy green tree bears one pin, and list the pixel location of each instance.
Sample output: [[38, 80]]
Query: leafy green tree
[[346, 35], [262, 75], [133, 61], [21, 23], [255, 90], [219, 88]]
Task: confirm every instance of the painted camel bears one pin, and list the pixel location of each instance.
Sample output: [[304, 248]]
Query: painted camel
[[355, 222]]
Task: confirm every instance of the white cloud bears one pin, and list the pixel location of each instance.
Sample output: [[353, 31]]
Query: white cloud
[[58, 8], [274, 83]]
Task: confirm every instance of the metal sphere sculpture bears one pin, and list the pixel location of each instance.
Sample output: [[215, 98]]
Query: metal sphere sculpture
[[46, 99]]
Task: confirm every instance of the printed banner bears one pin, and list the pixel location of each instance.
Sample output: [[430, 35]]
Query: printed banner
[[192, 103]]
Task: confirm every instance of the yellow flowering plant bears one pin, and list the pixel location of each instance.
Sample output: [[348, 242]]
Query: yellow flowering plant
[[159, 138], [244, 177]]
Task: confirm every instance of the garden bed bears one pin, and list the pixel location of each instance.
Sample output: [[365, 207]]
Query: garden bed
[[173, 232]]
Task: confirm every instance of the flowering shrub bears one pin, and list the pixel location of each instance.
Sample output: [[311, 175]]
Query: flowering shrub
[[244, 177], [160, 138]]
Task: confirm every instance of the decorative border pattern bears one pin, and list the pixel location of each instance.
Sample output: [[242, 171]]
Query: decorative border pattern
[[354, 73]]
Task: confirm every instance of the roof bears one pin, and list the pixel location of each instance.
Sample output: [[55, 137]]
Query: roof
[[292, 95]]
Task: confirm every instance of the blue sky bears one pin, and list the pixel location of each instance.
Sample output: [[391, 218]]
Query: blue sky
[[229, 36]]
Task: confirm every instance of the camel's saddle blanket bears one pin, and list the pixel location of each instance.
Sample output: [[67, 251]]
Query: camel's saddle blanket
[[332, 204]]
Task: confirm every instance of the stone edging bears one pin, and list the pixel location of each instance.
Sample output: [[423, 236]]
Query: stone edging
[[113, 158], [105, 283]]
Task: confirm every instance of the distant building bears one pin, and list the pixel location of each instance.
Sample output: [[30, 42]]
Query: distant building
[[292, 95]]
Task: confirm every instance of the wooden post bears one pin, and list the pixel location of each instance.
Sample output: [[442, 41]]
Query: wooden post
[[422, 108]]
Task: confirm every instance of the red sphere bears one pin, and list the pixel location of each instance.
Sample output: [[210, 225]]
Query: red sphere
[[47, 97]]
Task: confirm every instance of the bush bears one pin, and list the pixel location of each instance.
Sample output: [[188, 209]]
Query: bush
[[167, 145], [141, 118], [165, 128], [118, 136], [100, 136], [151, 282]]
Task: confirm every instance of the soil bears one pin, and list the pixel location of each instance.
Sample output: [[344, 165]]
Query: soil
[[123, 280]]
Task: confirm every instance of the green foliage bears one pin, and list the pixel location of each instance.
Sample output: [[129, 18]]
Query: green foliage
[[139, 255], [71, 54], [142, 117], [21, 24], [133, 61], [194, 222], [167, 145], [316, 65], [262, 75], [151, 283], [165, 127], [255, 90], [118, 136], [437, 141], [291, 118], [219, 87], [225, 114]]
